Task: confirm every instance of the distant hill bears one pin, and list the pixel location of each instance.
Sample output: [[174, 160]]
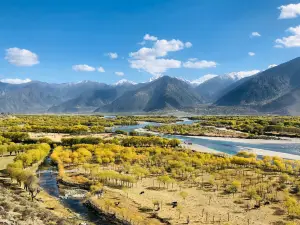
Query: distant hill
[[30, 97], [38, 96], [272, 90], [162, 93], [91, 99]]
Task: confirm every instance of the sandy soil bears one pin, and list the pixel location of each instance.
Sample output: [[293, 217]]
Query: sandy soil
[[263, 152], [252, 141], [257, 151], [200, 148]]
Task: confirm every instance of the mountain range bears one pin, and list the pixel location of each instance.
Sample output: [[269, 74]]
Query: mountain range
[[275, 90]]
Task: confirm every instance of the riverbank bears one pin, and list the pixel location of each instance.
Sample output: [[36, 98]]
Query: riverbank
[[201, 148], [262, 152], [257, 151], [251, 141]]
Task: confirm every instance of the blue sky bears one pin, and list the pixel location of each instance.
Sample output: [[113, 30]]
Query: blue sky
[[67, 41]]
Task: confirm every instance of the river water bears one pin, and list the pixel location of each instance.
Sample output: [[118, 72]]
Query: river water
[[48, 182], [225, 146]]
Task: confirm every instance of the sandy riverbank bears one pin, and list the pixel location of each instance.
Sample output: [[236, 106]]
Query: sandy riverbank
[[200, 148], [251, 141], [263, 152], [257, 151]]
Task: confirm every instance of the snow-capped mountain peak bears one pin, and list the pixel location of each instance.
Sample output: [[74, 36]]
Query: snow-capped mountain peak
[[124, 81], [199, 80], [239, 75], [203, 79]]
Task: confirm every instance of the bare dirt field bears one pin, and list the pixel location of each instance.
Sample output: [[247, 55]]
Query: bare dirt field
[[200, 206]]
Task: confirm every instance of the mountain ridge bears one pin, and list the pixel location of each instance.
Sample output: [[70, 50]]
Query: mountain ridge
[[275, 90]]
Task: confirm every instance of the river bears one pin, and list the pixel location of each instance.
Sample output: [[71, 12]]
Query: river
[[48, 182], [225, 146]]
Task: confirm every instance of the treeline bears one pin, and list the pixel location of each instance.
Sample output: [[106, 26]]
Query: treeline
[[257, 125], [74, 124], [195, 130], [135, 141], [15, 136], [155, 119], [140, 141], [32, 154], [63, 124]]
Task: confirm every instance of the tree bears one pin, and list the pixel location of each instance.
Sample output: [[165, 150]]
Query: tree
[[96, 189], [33, 186], [292, 206], [251, 193], [284, 178], [233, 187], [3, 149]]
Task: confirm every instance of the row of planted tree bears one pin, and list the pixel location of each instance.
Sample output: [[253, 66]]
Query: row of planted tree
[[256, 125], [21, 169]]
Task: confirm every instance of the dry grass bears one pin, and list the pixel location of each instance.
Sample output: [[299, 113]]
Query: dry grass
[[5, 160]]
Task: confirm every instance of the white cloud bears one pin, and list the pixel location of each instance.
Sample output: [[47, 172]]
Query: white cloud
[[112, 55], [290, 41], [15, 80], [199, 64], [251, 53], [203, 79], [101, 69], [289, 11], [148, 37], [188, 44], [21, 57], [151, 59], [255, 34], [83, 68], [119, 74], [271, 66], [155, 67]]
